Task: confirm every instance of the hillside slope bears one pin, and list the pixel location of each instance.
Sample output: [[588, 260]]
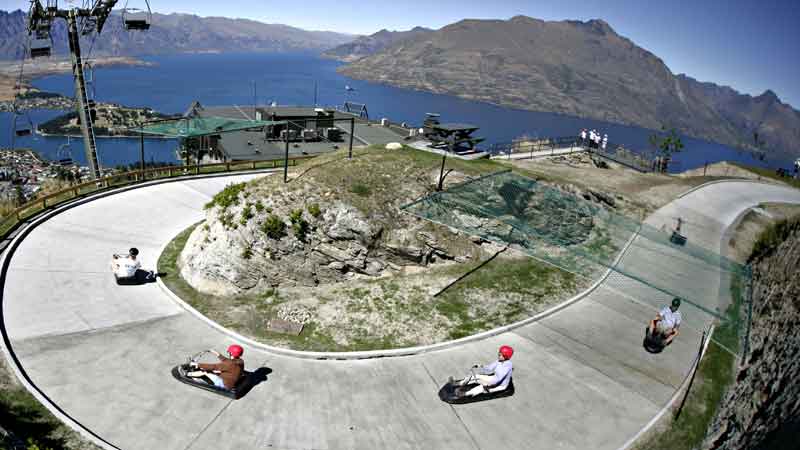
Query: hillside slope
[[578, 68], [369, 45], [176, 33]]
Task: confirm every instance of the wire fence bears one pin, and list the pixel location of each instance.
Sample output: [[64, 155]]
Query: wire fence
[[531, 147], [585, 239]]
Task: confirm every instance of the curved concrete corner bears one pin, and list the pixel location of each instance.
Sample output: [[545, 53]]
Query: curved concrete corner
[[582, 379]]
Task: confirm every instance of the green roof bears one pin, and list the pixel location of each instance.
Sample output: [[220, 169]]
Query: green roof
[[187, 127]]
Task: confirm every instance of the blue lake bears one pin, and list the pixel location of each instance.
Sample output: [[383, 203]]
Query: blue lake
[[289, 79]]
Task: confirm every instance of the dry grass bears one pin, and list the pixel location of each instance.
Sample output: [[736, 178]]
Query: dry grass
[[641, 192]]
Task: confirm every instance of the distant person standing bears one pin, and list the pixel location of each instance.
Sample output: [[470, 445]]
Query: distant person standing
[[605, 141], [597, 140], [591, 139], [583, 137]]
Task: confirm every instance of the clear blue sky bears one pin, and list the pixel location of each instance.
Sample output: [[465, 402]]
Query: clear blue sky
[[746, 44]]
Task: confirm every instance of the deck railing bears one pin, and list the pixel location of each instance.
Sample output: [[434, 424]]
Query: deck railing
[[641, 161], [33, 207]]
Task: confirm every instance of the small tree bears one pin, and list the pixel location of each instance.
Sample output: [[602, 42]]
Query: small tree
[[666, 143], [19, 195], [274, 227]]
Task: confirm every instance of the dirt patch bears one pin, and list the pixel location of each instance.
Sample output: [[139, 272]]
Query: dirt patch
[[722, 169], [640, 193]]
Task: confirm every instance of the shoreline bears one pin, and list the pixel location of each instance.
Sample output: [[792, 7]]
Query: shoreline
[[33, 69], [98, 136]]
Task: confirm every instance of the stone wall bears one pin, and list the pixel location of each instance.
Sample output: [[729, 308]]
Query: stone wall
[[762, 408]]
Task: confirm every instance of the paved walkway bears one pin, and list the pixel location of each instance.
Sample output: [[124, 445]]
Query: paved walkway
[[103, 353], [540, 153]]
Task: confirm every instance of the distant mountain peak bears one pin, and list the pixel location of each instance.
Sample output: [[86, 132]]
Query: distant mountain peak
[[600, 26], [522, 18], [368, 45], [770, 96]]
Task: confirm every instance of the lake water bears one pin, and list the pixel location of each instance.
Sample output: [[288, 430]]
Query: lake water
[[289, 79]]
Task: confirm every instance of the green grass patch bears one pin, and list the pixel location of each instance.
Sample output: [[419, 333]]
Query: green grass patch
[[714, 376], [527, 279], [360, 189], [227, 197], [773, 236], [30, 422]]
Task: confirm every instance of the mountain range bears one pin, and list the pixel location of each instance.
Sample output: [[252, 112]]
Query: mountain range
[[368, 45], [578, 68], [175, 33]]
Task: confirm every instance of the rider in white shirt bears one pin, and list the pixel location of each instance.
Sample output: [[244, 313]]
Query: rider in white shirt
[[127, 266], [493, 377], [667, 322]]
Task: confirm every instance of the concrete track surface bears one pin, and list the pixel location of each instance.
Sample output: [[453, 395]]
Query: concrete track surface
[[103, 353]]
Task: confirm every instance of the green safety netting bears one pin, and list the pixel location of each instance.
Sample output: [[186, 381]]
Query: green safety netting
[[187, 127], [581, 237]]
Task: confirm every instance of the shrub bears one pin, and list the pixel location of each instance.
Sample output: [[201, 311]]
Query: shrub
[[226, 219], [296, 215], [299, 224], [226, 197], [360, 189], [274, 227], [247, 252], [259, 206], [314, 210], [773, 236], [300, 229], [247, 214]]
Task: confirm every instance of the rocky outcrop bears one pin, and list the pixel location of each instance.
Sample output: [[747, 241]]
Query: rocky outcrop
[[762, 408], [255, 240]]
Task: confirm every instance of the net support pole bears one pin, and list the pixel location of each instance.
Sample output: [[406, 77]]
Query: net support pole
[[441, 170], [352, 131], [141, 152], [89, 144]]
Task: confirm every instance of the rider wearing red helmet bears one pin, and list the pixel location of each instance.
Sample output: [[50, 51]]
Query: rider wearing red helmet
[[492, 377], [224, 374]]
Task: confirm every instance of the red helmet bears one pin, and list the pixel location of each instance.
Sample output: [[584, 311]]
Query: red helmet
[[235, 351], [506, 351]]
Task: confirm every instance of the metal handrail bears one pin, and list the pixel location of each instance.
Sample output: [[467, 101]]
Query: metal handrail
[[39, 204]]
